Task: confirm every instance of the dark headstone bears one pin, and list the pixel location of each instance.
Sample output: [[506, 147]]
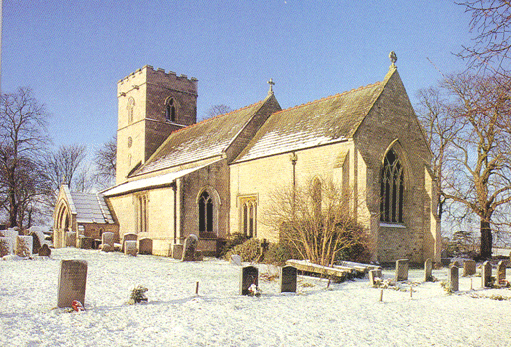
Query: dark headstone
[[428, 270], [190, 248], [44, 251], [72, 281], [288, 278], [373, 275], [402, 270], [85, 242], [248, 275], [145, 246], [453, 278], [469, 268], [486, 274], [36, 243], [71, 239]]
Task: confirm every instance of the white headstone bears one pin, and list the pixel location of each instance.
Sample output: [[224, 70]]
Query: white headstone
[[235, 259]]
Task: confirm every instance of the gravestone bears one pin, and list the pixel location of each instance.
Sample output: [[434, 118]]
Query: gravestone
[[248, 275], [107, 242], [72, 281], [501, 271], [130, 247], [288, 278], [71, 239], [36, 242], [85, 242], [44, 251], [453, 278], [402, 270], [486, 274], [469, 268], [23, 246], [128, 237], [373, 275], [177, 250], [145, 246], [190, 248], [428, 270], [235, 259], [6, 246]]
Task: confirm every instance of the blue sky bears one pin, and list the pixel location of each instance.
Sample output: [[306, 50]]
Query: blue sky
[[72, 53]]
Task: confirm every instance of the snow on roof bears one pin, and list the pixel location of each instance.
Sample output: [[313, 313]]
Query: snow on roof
[[155, 181], [89, 208], [328, 120]]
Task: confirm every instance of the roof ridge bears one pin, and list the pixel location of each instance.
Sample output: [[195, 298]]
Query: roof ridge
[[216, 117], [330, 97]]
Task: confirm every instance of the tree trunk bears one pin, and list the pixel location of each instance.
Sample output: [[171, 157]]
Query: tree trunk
[[486, 240]]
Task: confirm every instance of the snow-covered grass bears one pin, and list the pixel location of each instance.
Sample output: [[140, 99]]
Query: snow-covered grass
[[344, 314]]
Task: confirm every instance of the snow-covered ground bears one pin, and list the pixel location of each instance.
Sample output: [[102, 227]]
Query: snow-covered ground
[[345, 314]]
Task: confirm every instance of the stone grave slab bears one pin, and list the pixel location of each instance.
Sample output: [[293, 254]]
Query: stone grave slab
[[248, 275], [501, 271], [72, 282], [288, 278], [486, 271], [428, 270]]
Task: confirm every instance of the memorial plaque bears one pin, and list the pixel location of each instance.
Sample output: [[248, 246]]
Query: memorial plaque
[[402, 270], [288, 279], [72, 281], [248, 275]]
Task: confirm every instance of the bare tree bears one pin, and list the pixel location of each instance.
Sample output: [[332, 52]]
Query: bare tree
[[105, 160], [491, 20], [62, 165], [476, 169], [23, 139], [217, 110], [314, 219]]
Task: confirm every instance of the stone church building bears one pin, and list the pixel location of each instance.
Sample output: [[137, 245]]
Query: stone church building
[[176, 177]]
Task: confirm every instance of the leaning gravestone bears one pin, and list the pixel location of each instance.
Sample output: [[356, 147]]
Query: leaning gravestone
[[145, 246], [373, 275], [248, 275], [501, 271], [235, 259], [469, 268], [23, 246], [107, 242], [72, 281], [130, 247], [6, 246], [428, 270], [190, 248], [288, 278], [486, 274], [453, 278], [402, 270], [128, 237], [44, 251]]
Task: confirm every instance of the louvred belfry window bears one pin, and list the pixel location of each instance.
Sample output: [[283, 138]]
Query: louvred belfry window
[[392, 189]]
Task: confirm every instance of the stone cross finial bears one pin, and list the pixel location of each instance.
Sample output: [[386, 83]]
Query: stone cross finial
[[393, 58], [271, 83]]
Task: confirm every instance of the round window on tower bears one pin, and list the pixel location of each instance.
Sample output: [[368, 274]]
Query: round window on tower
[[130, 142]]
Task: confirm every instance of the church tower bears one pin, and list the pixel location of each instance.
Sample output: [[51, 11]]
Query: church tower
[[152, 104]]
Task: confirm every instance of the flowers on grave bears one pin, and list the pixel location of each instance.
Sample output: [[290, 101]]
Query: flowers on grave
[[254, 290], [77, 306], [138, 295]]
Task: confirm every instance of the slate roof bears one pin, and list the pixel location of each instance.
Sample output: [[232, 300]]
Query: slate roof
[[328, 120], [89, 208], [203, 140]]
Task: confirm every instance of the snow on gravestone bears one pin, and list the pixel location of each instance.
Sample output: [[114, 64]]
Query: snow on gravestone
[[128, 237], [72, 281], [469, 268], [288, 279], [130, 247], [23, 246], [248, 275], [486, 274], [107, 242], [235, 259], [453, 278], [402, 270], [428, 270], [190, 248], [373, 275]]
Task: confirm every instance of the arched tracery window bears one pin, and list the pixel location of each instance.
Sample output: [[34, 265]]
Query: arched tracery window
[[205, 213], [170, 110], [249, 216], [392, 189]]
